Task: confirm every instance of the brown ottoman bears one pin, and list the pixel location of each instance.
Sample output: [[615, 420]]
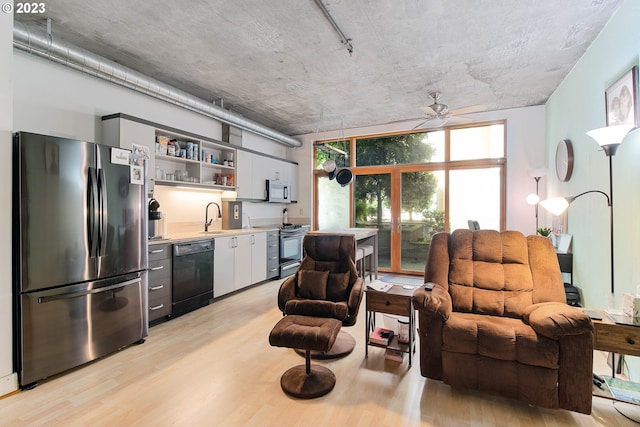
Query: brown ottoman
[[309, 333]]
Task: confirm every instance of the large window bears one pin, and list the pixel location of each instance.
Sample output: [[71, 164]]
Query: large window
[[411, 186]]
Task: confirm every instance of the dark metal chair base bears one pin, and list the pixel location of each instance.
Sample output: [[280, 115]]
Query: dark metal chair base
[[308, 381]]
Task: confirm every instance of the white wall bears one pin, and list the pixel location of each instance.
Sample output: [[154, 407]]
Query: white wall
[[576, 107], [525, 150], [8, 379]]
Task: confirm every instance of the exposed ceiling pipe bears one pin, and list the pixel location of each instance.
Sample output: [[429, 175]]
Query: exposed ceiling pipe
[[35, 41]]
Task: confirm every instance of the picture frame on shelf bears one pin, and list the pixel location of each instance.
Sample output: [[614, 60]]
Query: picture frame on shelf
[[621, 99]]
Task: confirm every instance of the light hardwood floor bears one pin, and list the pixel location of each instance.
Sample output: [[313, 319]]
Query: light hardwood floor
[[215, 367]]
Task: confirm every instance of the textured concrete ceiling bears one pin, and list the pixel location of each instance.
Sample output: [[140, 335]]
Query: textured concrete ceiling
[[280, 62]]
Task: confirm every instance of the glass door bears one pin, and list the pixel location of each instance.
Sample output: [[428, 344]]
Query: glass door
[[372, 206], [421, 215]]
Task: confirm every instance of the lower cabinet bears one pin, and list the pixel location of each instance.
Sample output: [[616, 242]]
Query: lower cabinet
[[159, 281], [273, 254], [239, 261]]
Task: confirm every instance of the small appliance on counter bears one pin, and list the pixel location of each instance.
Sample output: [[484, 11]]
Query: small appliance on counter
[[231, 215], [156, 221]]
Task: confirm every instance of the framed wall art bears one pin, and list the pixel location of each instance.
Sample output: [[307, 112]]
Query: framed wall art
[[622, 100]]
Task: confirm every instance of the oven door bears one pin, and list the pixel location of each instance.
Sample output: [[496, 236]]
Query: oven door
[[291, 247]]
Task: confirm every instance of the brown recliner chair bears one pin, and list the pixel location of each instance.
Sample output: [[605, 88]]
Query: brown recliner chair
[[326, 285], [496, 320]]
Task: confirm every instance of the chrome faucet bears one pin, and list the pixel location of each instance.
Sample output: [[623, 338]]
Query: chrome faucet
[[207, 221]]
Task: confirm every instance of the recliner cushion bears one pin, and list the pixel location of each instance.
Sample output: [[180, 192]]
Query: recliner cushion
[[338, 286], [312, 284], [501, 338]]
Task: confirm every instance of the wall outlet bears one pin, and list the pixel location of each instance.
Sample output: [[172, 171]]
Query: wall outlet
[[301, 211]]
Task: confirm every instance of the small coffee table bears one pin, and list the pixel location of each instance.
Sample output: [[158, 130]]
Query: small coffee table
[[396, 300]]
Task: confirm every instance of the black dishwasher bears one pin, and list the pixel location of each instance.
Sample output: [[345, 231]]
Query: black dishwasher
[[192, 276]]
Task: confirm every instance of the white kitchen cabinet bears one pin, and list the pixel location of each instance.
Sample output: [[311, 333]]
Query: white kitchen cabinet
[[250, 183], [223, 266], [258, 257], [239, 261], [254, 170], [293, 181]]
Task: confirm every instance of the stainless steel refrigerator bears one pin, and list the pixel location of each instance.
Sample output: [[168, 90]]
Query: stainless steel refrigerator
[[80, 255]]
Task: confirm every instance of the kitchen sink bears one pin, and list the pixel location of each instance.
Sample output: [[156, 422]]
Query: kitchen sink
[[212, 232]]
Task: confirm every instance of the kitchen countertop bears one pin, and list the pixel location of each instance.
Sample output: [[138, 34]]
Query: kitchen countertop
[[201, 235]]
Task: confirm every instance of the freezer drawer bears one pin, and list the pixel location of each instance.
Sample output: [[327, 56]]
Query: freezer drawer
[[69, 326]]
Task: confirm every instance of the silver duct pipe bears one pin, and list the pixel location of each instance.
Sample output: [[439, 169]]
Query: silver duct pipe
[[37, 42]]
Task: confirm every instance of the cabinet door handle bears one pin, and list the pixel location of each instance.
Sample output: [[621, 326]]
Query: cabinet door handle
[[156, 251], [156, 288], [157, 268], [157, 307]]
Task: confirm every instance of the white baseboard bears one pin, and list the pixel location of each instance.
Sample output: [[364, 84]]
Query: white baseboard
[[8, 384]]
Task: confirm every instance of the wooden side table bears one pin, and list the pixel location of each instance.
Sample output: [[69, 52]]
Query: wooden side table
[[615, 338], [397, 300]]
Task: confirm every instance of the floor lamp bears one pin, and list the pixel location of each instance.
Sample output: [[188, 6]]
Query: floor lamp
[[534, 199], [609, 138]]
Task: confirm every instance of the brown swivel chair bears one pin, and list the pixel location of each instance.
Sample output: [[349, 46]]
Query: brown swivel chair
[[496, 320], [326, 285]]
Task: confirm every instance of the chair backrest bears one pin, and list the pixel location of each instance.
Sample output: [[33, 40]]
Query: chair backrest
[[333, 252], [496, 273]]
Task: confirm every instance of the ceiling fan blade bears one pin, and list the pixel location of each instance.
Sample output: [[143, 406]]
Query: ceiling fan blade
[[421, 124], [429, 111], [468, 110]]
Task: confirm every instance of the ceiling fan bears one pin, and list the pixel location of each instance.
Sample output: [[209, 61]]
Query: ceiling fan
[[441, 113]]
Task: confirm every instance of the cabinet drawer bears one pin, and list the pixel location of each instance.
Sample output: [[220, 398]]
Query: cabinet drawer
[[391, 304], [159, 269], [273, 271], [159, 310], [157, 252], [621, 339], [159, 291], [273, 235]]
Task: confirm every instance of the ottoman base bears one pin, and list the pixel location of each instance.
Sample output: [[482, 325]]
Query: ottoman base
[[298, 383]]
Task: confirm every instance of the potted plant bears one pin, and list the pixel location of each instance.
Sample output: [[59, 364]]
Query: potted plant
[[544, 231]]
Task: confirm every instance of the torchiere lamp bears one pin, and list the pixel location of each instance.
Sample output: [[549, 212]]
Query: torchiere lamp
[[534, 199], [609, 138]]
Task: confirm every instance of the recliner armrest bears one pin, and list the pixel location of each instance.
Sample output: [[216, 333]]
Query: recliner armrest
[[287, 291], [355, 295], [555, 319], [436, 301]]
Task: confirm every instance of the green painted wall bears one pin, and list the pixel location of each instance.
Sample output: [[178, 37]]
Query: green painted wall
[[577, 106]]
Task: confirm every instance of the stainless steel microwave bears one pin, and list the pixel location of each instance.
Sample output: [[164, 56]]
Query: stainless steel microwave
[[277, 191]]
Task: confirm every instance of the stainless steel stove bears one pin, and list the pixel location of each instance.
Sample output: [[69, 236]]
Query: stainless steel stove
[[291, 236]]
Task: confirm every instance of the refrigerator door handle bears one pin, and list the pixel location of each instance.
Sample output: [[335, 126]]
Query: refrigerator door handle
[[103, 209], [92, 223], [45, 299]]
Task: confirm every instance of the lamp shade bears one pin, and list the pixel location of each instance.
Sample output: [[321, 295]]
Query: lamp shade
[[610, 137], [537, 172], [533, 199], [556, 205]]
